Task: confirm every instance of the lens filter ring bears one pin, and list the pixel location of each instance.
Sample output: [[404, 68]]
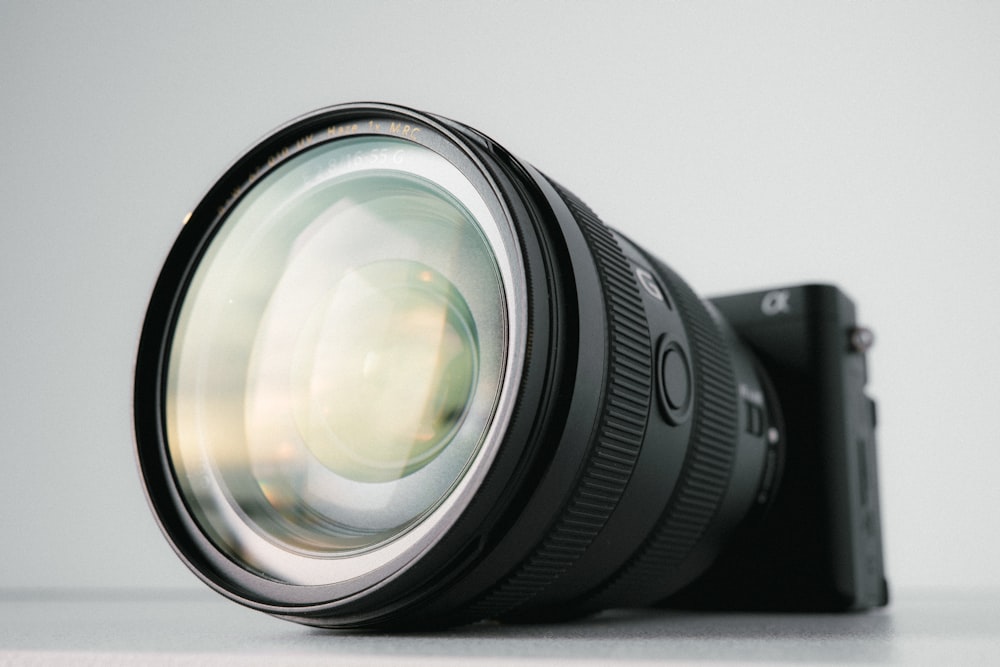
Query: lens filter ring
[[435, 162]]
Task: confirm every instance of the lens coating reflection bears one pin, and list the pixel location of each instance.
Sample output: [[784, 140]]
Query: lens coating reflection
[[339, 354], [384, 371]]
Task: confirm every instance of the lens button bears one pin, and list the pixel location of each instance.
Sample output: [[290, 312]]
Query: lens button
[[674, 383], [676, 386]]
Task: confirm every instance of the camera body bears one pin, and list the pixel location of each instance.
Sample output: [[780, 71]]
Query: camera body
[[818, 547]]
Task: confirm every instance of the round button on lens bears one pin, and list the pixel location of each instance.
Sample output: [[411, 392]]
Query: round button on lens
[[676, 386], [674, 383]]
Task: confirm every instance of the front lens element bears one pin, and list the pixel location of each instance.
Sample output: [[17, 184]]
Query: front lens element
[[339, 354], [384, 370]]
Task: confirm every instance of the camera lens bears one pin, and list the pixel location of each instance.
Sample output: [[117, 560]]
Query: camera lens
[[391, 375], [338, 355]]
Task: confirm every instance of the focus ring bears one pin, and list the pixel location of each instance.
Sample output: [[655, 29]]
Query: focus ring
[[707, 468], [620, 429]]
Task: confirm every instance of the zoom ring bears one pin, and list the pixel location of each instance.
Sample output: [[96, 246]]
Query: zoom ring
[[620, 430], [705, 478]]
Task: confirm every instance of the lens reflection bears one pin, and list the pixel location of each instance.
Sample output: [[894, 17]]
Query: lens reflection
[[339, 354], [384, 371]]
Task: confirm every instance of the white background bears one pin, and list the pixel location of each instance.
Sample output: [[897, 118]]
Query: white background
[[748, 145]]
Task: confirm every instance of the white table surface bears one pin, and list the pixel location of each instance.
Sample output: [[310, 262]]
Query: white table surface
[[198, 627]]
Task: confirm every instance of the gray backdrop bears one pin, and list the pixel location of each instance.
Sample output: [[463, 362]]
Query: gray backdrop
[[747, 144]]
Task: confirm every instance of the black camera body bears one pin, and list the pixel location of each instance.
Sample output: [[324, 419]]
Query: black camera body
[[818, 547]]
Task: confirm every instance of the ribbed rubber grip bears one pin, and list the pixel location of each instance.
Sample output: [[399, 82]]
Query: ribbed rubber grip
[[612, 456], [705, 478]]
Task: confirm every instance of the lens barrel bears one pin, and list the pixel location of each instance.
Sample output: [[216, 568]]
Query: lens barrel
[[393, 376]]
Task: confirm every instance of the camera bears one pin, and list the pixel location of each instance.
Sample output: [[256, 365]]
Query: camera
[[392, 376]]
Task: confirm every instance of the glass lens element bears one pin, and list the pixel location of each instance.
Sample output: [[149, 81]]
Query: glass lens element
[[339, 354], [384, 370]]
